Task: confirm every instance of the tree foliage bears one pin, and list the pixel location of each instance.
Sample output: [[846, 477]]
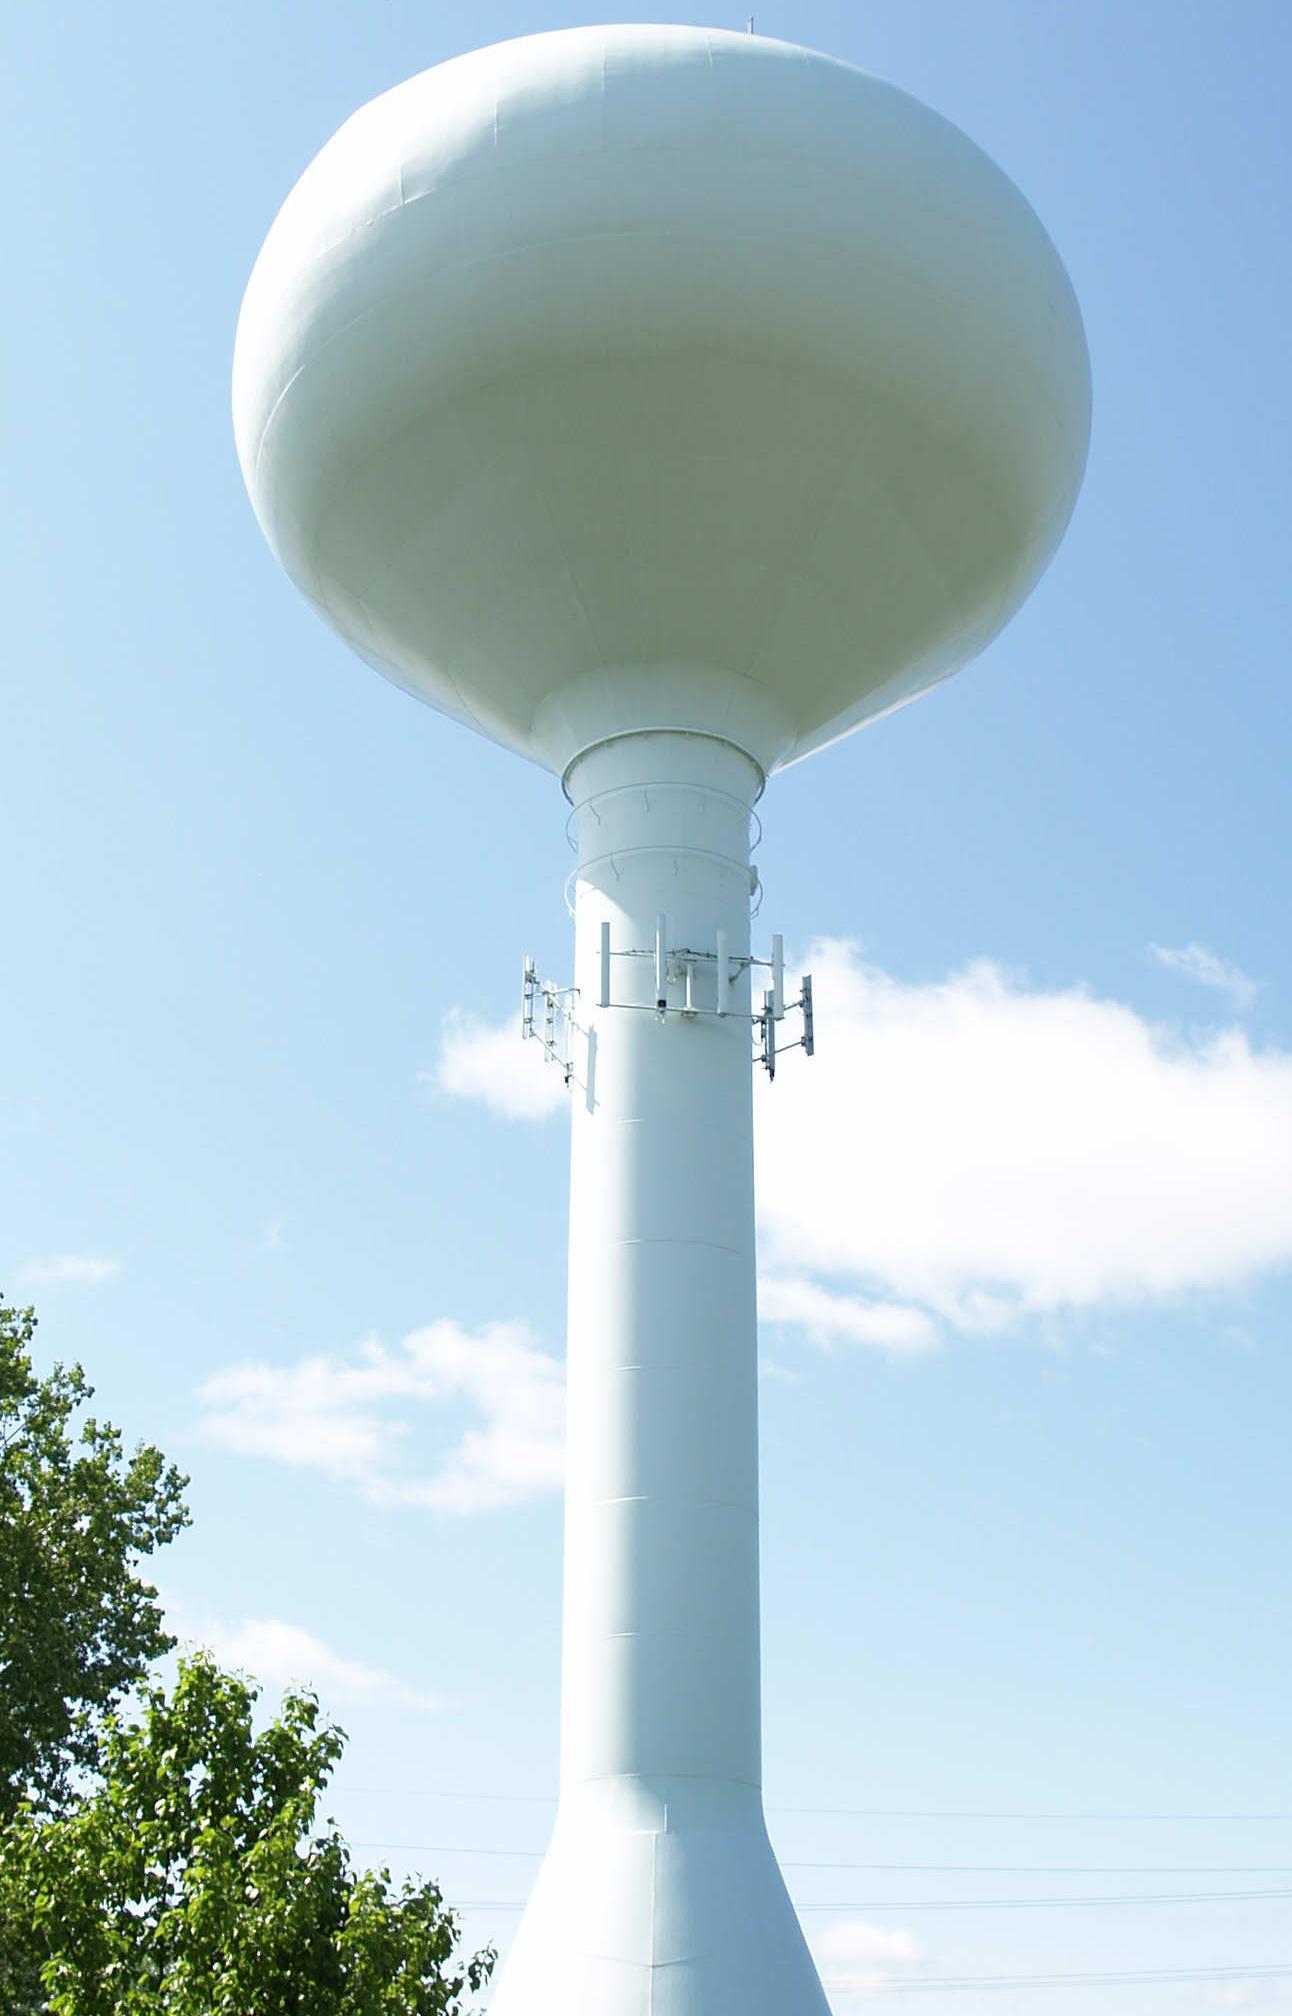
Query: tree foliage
[[168, 1865], [77, 1513], [193, 1881]]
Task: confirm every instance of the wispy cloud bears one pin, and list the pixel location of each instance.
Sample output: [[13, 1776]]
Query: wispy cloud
[[829, 1319], [348, 1416], [1195, 962], [490, 1064], [859, 1959], [82, 1270], [279, 1654]]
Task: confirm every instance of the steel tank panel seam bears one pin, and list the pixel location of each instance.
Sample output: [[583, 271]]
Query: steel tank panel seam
[[607, 1241], [721, 1499]]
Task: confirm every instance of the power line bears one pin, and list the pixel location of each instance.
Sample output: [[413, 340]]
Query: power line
[[962, 1982], [1053, 1903], [913, 1868], [427, 1792], [965, 1813], [847, 1812], [973, 1903], [1063, 1868], [1114, 1980], [429, 1848]]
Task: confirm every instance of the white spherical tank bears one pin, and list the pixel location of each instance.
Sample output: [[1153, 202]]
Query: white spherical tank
[[645, 377]]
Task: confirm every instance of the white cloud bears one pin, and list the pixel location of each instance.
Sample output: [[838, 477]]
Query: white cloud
[[1195, 962], [348, 1417], [495, 1067], [78, 1269], [972, 1152], [280, 1655], [858, 1959], [985, 1152], [829, 1319], [1245, 1995]]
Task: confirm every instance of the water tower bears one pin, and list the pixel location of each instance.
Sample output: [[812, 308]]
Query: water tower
[[663, 403]]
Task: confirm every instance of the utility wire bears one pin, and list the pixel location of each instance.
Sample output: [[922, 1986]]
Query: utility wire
[[971, 1903], [912, 1868], [964, 1813], [427, 1792], [843, 1812], [1053, 1903], [1115, 1980], [1064, 1868]]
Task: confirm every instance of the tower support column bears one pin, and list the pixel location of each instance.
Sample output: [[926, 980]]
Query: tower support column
[[660, 1895], [660, 1661]]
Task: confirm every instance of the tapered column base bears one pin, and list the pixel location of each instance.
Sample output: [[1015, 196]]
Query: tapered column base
[[660, 1900]]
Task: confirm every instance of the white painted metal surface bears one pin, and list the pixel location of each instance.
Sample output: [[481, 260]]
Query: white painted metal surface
[[660, 1893], [663, 403], [645, 377]]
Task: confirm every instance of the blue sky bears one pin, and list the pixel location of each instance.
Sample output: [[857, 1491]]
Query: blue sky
[[1026, 1532]]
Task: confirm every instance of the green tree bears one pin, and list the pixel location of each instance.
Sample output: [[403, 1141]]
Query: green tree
[[77, 1513], [193, 1880]]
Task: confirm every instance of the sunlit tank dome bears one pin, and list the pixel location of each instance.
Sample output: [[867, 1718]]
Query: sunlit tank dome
[[642, 377]]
